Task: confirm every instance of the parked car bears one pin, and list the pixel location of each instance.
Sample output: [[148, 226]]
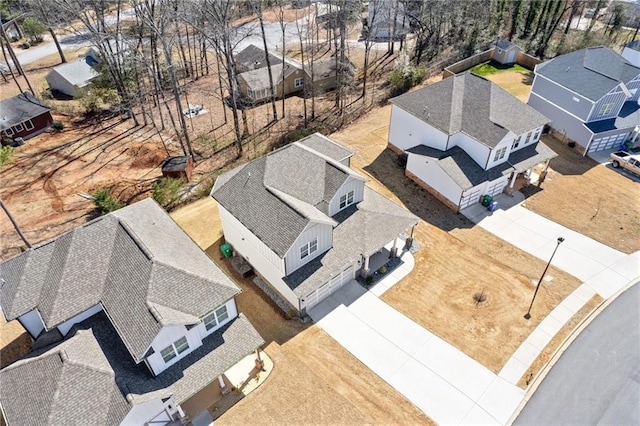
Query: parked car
[[626, 161], [192, 111]]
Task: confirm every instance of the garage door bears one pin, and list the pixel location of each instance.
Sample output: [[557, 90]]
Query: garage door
[[470, 197], [317, 296], [496, 187], [607, 142]]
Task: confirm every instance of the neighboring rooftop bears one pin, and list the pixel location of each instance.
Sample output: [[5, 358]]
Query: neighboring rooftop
[[628, 118], [259, 78], [326, 146], [90, 375], [471, 104], [592, 72], [20, 108], [129, 261], [505, 44], [253, 57], [79, 73], [635, 45]]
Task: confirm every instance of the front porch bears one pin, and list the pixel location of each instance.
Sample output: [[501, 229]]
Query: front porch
[[388, 270]]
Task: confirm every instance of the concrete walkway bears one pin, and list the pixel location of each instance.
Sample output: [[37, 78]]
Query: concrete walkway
[[603, 270], [446, 384]]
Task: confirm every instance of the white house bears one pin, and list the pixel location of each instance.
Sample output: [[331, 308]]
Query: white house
[[73, 78], [130, 319], [466, 137], [305, 221]]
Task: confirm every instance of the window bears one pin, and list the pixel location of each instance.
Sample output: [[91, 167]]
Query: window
[[216, 317], [346, 199], [528, 139], [516, 143], [298, 82], [536, 136], [174, 349], [309, 248], [500, 154], [28, 125], [18, 127], [9, 131], [606, 109]]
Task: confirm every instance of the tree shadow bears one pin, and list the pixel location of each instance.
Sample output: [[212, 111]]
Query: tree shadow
[[387, 170]]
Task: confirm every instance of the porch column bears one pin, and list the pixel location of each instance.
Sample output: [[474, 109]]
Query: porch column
[[635, 136], [514, 175], [365, 267], [394, 249], [409, 241], [543, 174], [223, 385]]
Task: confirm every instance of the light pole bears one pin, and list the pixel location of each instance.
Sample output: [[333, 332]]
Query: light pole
[[528, 314]]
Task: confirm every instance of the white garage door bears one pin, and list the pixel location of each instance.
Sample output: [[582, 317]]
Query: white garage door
[[607, 142], [470, 197], [318, 295], [496, 187]]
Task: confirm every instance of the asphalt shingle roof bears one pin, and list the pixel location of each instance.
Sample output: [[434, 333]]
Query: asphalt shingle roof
[[324, 145], [473, 105], [253, 57], [635, 45], [20, 108], [128, 260], [90, 377], [79, 73], [505, 44], [590, 72], [251, 193]]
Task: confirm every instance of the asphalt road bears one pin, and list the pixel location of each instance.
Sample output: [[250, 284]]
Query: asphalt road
[[597, 379]]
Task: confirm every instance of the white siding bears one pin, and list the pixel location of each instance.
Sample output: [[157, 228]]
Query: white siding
[[168, 335], [232, 310], [324, 234], [476, 150], [505, 143], [32, 322], [59, 83], [632, 56], [66, 326], [431, 174], [155, 410], [407, 131], [352, 184]]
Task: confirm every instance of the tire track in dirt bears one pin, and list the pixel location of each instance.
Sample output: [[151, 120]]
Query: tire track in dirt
[[51, 188]]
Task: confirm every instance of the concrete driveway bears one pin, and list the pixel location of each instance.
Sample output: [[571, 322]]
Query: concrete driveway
[[447, 385]]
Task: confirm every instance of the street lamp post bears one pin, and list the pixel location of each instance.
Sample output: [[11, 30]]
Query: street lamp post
[[528, 314]]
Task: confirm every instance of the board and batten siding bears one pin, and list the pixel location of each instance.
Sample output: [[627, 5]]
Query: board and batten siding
[[351, 184], [428, 171], [567, 124], [32, 322], [634, 88], [407, 131], [506, 142], [617, 98], [324, 234], [66, 326], [563, 98], [474, 149]]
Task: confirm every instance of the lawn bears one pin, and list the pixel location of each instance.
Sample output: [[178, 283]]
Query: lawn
[[514, 79], [491, 68]]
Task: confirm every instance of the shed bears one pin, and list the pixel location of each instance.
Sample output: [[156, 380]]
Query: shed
[[505, 52], [178, 167], [73, 77]]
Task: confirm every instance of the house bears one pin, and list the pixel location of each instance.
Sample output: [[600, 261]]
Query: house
[[505, 52], [591, 95], [24, 116], [131, 320], [289, 79], [387, 20], [465, 137], [252, 58], [306, 222], [631, 52], [72, 78]]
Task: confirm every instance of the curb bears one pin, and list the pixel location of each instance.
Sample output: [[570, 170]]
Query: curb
[[537, 380]]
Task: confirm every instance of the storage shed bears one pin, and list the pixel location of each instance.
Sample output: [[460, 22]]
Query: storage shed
[[178, 167]]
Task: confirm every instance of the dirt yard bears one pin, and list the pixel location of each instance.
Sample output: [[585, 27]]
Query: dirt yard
[[15, 342], [315, 380]]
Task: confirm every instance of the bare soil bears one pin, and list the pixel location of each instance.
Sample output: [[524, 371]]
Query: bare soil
[[15, 342], [518, 83], [314, 380]]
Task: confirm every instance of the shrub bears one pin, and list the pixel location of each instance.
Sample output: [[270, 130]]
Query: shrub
[[58, 126], [6, 155], [405, 75], [167, 190], [33, 29], [105, 202], [26, 45], [369, 280]]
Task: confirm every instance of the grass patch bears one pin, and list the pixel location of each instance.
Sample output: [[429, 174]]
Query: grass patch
[[490, 68]]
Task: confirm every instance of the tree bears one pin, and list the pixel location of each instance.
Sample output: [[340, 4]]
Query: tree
[[33, 29]]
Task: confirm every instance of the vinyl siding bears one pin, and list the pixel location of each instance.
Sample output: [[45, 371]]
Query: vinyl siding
[[407, 131], [476, 150], [572, 127], [617, 99], [168, 335], [355, 185], [634, 85], [324, 234], [561, 97], [504, 143], [430, 173], [32, 322], [66, 326]]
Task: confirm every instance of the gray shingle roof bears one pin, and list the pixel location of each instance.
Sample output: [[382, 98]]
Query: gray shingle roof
[[628, 118], [635, 45], [362, 230], [253, 57], [128, 260], [251, 193], [471, 104], [259, 78], [20, 108], [91, 379], [591, 72], [78, 73], [467, 173], [324, 145], [505, 44]]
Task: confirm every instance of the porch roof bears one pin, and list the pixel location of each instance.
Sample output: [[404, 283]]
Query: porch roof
[[525, 158], [362, 230]]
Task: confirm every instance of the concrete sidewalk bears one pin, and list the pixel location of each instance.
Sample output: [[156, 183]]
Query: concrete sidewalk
[[446, 384]]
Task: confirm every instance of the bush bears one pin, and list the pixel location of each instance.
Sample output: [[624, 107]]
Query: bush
[[167, 190], [405, 76], [369, 280], [6, 155], [33, 29], [105, 202], [26, 45], [58, 126]]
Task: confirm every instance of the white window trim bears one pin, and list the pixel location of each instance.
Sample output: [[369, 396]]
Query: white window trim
[[298, 82], [528, 139], [516, 142], [28, 125], [9, 131], [174, 348], [19, 127], [606, 109], [215, 315], [347, 199], [500, 153], [309, 248]]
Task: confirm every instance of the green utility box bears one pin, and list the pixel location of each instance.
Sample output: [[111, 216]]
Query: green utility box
[[226, 250]]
